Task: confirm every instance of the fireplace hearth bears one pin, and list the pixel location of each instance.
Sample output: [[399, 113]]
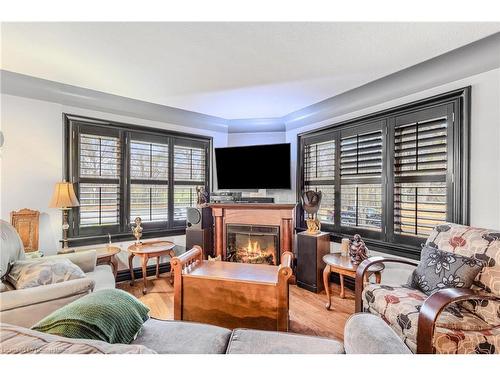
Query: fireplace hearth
[[257, 244]]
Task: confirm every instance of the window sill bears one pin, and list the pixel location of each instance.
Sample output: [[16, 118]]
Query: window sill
[[120, 237]]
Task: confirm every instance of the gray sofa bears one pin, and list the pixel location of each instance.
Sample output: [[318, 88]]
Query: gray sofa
[[364, 334], [25, 307]]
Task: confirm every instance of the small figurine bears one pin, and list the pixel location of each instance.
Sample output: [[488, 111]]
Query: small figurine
[[310, 202], [137, 230], [357, 250], [202, 196]]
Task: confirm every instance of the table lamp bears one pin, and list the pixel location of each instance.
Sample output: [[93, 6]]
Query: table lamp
[[64, 198]]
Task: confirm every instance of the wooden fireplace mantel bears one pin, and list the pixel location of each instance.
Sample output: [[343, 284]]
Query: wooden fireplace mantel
[[254, 206], [280, 215]]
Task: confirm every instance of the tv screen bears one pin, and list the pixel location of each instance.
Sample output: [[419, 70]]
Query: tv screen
[[253, 167]]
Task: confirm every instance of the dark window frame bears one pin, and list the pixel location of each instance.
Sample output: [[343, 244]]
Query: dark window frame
[[94, 235], [457, 177]]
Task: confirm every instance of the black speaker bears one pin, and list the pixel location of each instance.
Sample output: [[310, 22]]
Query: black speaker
[[199, 218], [200, 237], [311, 248]]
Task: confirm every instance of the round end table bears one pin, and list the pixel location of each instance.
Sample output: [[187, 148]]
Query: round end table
[[106, 255], [343, 265], [147, 250]]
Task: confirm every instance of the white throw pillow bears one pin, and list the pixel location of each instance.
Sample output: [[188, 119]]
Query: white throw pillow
[[28, 274]]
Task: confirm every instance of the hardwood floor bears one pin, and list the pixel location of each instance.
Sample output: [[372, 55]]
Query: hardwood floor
[[308, 314]]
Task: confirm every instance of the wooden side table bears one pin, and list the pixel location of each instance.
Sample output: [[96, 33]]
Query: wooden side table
[[148, 250], [344, 267], [106, 255]]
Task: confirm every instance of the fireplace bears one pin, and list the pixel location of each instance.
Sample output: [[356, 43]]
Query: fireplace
[[263, 215], [258, 244]]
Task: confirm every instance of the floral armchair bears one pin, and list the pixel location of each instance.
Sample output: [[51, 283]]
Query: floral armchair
[[452, 320]]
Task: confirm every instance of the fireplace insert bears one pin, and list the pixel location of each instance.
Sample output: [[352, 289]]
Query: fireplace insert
[[258, 244]]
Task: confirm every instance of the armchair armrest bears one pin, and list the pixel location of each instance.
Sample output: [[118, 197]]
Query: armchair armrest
[[15, 299], [432, 307], [363, 269]]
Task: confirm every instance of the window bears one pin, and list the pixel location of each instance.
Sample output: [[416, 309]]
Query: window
[[121, 172], [148, 179], [319, 175], [361, 178], [394, 175], [420, 171], [189, 172]]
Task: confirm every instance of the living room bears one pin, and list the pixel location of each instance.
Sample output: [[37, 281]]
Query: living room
[[250, 187]]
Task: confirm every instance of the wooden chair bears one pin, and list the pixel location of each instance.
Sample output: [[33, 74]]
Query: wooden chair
[[27, 222]]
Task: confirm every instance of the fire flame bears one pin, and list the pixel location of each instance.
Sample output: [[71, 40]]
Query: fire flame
[[253, 247]]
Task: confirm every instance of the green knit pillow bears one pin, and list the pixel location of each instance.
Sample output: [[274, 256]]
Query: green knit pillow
[[110, 315]]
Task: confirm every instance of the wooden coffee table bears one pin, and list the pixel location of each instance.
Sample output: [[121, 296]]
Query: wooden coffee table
[[344, 267], [148, 250]]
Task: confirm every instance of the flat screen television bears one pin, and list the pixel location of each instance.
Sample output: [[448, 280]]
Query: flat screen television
[[253, 167]]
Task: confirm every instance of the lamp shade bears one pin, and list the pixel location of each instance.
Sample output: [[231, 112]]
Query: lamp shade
[[64, 196]]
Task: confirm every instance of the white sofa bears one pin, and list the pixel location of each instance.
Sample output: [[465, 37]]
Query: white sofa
[[25, 307]]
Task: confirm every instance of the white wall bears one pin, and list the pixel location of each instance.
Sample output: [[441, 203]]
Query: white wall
[[32, 156], [248, 139], [485, 141]]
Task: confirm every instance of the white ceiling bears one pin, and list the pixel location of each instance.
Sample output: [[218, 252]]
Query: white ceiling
[[231, 70]]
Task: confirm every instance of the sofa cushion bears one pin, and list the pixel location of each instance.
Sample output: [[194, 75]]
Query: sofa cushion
[[483, 244], [86, 260], [32, 273], [173, 337], [441, 269], [103, 277], [249, 341], [5, 286], [368, 334], [400, 306], [18, 340]]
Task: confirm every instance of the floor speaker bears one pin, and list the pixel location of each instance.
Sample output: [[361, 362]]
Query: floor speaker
[[200, 237], [199, 217]]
